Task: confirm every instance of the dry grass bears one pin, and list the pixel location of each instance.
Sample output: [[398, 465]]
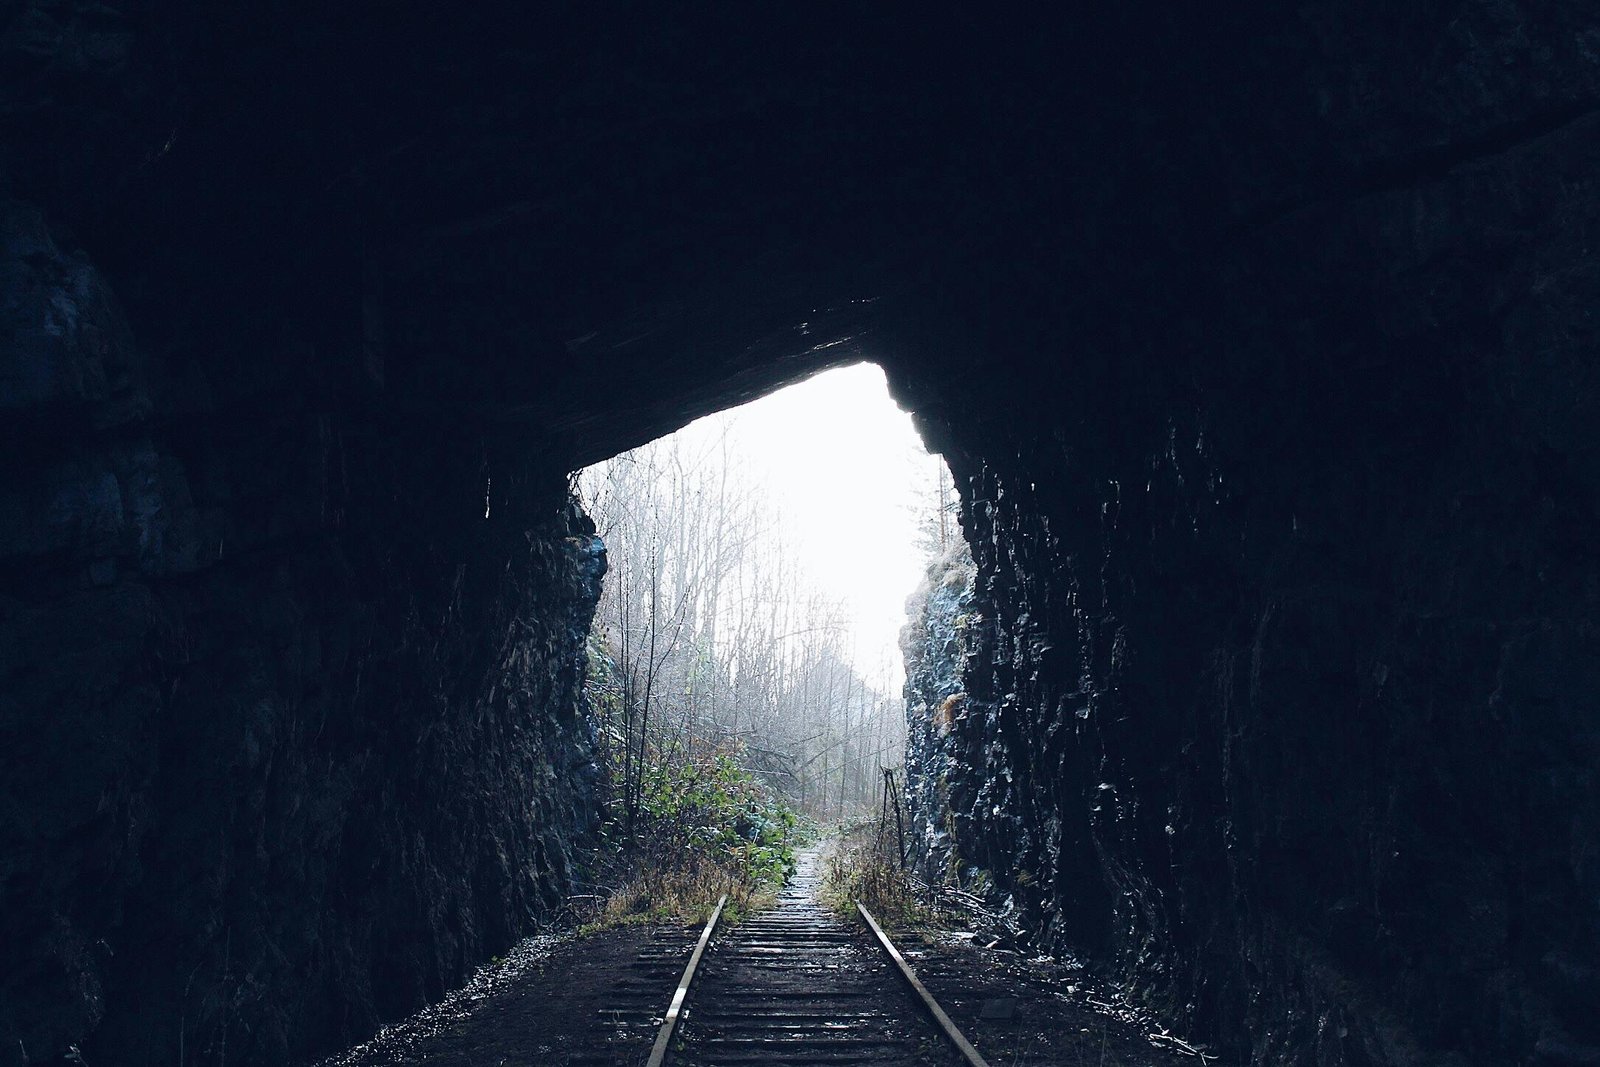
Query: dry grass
[[667, 894], [862, 865]]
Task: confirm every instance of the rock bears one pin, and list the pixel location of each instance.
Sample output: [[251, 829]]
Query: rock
[[269, 778]]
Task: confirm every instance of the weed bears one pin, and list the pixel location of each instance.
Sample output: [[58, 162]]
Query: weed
[[864, 866], [704, 827]]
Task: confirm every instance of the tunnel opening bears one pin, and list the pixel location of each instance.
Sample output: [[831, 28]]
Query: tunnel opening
[[747, 643]]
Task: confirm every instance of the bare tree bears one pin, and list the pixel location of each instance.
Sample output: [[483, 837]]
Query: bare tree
[[715, 637]]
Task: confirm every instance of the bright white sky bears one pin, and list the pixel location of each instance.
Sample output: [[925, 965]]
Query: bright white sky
[[850, 475]]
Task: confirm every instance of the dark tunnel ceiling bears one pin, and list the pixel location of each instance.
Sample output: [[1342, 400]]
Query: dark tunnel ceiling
[[543, 215]]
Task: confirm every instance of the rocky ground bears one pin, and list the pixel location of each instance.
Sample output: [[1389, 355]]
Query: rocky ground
[[1038, 1010], [597, 999], [553, 1000]]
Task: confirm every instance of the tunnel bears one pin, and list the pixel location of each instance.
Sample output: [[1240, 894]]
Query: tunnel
[[1253, 336]]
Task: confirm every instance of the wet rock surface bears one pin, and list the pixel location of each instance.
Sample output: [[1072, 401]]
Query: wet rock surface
[[270, 775], [1278, 677], [941, 774]]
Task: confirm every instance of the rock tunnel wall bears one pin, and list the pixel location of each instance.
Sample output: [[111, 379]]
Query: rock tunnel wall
[[290, 732], [934, 644], [1280, 664]]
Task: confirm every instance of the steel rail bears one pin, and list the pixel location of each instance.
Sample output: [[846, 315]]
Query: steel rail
[[658, 1052], [950, 1029]]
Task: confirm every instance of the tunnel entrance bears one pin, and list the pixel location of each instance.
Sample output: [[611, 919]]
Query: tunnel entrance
[[1260, 343], [746, 646]]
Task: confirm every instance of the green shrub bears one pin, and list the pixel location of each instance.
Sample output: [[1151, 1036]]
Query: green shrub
[[704, 826]]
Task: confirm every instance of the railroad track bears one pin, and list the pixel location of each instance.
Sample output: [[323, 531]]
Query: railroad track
[[796, 985], [632, 1016]]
